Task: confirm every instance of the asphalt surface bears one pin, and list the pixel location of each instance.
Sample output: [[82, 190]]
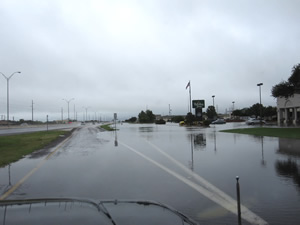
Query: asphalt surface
[[190, 169], [113, 165]]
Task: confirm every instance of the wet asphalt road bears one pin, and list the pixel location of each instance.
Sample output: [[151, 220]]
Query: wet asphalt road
[[190, 169]]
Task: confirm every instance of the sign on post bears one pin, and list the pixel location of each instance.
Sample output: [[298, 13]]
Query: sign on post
[[198, 104]]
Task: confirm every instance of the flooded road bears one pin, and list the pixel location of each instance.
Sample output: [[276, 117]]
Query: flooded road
[[190, 169]]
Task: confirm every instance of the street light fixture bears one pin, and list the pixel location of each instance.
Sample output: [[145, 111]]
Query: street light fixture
[[68, 101], [259, 85], [7, 79]]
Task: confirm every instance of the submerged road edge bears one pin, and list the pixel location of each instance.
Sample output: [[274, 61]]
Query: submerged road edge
[[39, 165]]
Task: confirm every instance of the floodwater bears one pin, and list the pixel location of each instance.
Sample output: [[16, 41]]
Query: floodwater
[[190, 169]]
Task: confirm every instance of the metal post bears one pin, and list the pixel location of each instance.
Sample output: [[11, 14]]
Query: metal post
[[68, 101], [238, 200], [190, 97], [7, 79], [62, 114], [47, 122], [32, 110], [259, 85]]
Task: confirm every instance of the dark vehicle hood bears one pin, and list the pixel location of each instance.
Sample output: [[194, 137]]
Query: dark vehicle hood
[[88, 212]]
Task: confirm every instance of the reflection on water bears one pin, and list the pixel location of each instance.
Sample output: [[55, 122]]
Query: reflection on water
[[289, 168], [6, 182], [198, 140], [146, 129], [289, 147], [263, 161], [116, 139]]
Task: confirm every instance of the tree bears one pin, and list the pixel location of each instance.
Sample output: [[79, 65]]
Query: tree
[[237, 112], [150, 116], [288, 88], [146, 117], [255, 109], [132, 120], [270, 111], [295, 77], [190, 118], [211, 112], [283, 89]]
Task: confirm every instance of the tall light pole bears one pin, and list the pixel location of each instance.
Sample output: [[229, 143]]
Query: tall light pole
[[68, 101], [213, 97], [7, 79], [86, 108], [259, 85]]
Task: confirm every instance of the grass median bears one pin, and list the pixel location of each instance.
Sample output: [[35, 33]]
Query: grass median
[[270, 132], [107, 127], [15, 147]]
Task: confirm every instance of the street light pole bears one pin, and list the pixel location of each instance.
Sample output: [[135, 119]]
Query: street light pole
[[7, 79], [68, 101], [259, 85], [86, 108]]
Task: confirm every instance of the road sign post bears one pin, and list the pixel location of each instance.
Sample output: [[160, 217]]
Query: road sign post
[[198, 105]]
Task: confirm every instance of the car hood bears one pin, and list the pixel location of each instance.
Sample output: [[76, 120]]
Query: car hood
[[88, 212]]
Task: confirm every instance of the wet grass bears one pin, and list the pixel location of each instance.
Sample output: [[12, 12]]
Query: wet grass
[[15, 147], [107, 127], [271, 132]]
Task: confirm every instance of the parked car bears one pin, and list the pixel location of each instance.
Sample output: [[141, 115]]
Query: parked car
[[219, 121], [253, 121]]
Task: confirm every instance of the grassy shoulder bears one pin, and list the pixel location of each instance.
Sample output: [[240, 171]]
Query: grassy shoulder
[[15, 147], [107, 127], [266, 131]]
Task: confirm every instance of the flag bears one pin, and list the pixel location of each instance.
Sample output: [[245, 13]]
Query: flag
[[187, 85]]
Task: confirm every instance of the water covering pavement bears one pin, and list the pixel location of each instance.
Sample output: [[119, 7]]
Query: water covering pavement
[[191, 169]]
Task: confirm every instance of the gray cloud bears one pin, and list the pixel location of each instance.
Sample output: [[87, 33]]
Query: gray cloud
[[124, 56]]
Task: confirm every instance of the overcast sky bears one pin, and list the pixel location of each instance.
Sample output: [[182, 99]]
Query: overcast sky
[[126, 56]]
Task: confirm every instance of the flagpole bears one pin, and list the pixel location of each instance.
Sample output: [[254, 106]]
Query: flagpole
[[190, 97]]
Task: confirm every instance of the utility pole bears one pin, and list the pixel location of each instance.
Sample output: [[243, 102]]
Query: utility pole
[[62, 114], [7, 79], [32, 110], [259, 85], [68, 101], [74, 113]]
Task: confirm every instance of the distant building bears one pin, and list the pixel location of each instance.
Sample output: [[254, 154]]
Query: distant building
[[288, 109]]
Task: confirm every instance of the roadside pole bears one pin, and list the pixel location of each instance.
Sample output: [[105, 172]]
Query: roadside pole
[[47, 122]]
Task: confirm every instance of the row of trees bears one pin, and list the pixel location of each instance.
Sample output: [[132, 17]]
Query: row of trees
[[146, 117], [254, 110]]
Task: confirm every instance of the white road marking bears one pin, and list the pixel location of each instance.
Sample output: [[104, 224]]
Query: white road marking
[[208, 190]]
